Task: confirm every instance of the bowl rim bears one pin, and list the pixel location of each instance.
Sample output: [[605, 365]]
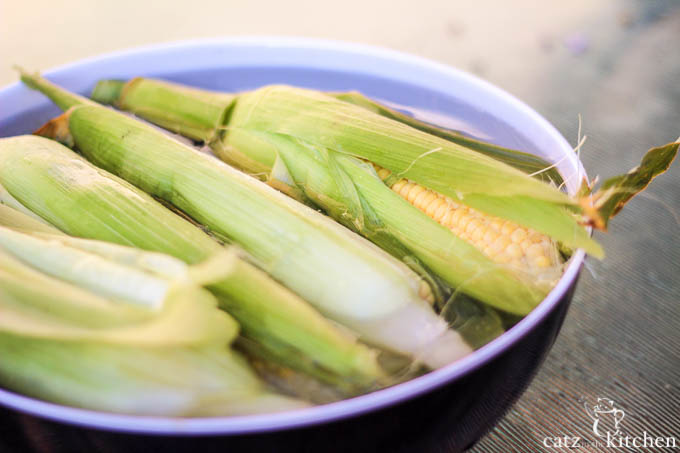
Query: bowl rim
[[328, 54]]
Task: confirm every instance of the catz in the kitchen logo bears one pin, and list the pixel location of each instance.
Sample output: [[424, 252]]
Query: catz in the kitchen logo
[[607, 416]]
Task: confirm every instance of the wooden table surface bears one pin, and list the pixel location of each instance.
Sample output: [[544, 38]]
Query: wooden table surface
[[614, 62]]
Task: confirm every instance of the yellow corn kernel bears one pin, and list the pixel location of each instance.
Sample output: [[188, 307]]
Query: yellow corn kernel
[[534, 250], [473, 225], [397, 185], [463, 222], [383, 173], [441, 210], [424, 291], [519, 235], [413, 193], [514, 251], [500, 244], [446, 219], [536, 237], [541, 261], [433, 206], [490, 236], [456, 216], [496, 224], [425, 199], [478, 235]]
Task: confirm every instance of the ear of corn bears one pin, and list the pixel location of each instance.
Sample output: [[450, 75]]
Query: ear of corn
[[351, 192], [272, 229], [170, 382], [272, 165], [82, 200], [463, 175], [309, 172], [504, 241], [64, 341], [294, 245], [86, 269], [200, 114], [528, 163], [54, 290], [453, 165]]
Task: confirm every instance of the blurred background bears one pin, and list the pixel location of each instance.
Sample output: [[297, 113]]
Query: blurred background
[[615, 63]]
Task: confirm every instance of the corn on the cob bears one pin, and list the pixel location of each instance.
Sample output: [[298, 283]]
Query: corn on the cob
[[334, 182], [200, 114], [261, 117], [450, 169], [305, 250], [132, 380], [312, 117], [504, 241], [53, 290], [69, 192], [526, 162], [65, 338]]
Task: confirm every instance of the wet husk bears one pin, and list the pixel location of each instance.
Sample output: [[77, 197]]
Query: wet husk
[[142, 338], [73, 195]]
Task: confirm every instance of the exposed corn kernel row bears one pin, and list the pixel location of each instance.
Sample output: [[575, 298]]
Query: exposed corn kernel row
[[503, 241]]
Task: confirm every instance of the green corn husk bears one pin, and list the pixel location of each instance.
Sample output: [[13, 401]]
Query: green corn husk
[[310, 173], [354, 282], [16, 208], [200, 114], [616, 191], [18, 220], [54, 290], [63, 341], [348, 191], [82, 200], [459, 167], [86, 269], [40, 306], [472, 178], [145, 98], [528, 163], [196, 120], [176, 382], [456, 167]]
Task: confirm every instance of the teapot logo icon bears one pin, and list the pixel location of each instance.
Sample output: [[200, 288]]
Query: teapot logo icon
[[606, 417]]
